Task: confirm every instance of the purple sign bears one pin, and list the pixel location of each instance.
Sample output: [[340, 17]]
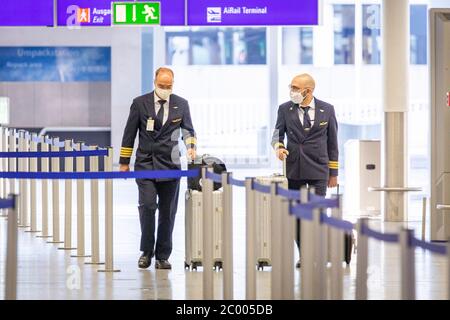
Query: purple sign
[[98, 12], [252, 12], [18, 13]]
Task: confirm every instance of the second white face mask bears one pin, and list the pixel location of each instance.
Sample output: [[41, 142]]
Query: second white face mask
[[163, 93], [297, 97]]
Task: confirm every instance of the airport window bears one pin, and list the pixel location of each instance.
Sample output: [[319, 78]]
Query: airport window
[[344, 34], [216, 46], [297, 45], [418, 34], [371, 34]]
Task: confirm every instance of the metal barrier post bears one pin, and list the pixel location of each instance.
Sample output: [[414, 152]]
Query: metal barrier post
[[2, 189], [277, 243], [288, 238], [207, 194], [33, 168], [4, 162], [44, 192], [12, 161], [448, 269], [68, 167], [11, 254], [109, 216], [227, 236], [95, 242], [362, 261], [250, 239], [424, 216], [336, 255], [407, 267], [22, 205], [306, 252], [320, 257], [80, 167], [55, 195]]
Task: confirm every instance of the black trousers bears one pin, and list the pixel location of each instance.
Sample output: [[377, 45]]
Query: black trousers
[[161, 195], [320, 187]]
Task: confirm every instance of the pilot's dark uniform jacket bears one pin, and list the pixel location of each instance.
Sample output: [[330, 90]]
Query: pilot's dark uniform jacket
[[159, 123], [311, 142]]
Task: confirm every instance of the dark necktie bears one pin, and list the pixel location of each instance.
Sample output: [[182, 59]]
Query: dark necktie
[[160, 115], [306, 119]]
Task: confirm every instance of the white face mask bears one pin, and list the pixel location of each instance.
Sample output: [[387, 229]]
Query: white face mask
[[297, 97], [163, 93]]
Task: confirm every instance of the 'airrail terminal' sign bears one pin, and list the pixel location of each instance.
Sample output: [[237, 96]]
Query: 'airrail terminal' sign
[[252, 12]]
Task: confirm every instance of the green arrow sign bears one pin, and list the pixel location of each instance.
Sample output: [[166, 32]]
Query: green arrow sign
[[137, 13]]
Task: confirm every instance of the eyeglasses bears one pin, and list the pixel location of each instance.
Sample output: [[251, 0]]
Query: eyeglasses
[[164, 87], [296, 89]]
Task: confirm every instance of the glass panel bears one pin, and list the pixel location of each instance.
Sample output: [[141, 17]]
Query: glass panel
[[297, 45], [215, 46], [371, 33], [344, 34], [418, 34]]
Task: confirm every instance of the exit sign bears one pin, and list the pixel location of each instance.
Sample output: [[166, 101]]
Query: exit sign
[[136, 13]]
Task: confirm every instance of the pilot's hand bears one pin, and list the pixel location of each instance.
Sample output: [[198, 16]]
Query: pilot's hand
[[191, 153], [124, 167], [282, 153], [332, 182]]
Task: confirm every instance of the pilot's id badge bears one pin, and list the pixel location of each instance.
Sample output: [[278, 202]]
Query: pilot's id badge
[[150, 124]]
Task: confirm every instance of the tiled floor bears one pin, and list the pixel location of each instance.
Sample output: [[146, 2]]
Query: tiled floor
[[47, 273]]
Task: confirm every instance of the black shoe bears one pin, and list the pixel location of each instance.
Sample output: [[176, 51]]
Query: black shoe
[[297, 265], [163, 264], [145, 260]]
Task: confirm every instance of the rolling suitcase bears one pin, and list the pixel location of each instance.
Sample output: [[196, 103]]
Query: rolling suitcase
[[264, 221], [194, 229]]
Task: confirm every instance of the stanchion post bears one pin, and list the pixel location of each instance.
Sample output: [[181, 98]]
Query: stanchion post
[[33, 168], [24, 192], [68, 167], [306, 252], [207, 194], [4, 162], [320, 257], [3, 168], [12, 161], [336, 255], [448, 269], [109, 216], [362, 261], [22, 198], [80, 167], [95, 242], [227, 236], [250, 237], [55, 195], [44, 193], [288, 237], [408, 266], [276, 243], [11, 253], [424, 216]]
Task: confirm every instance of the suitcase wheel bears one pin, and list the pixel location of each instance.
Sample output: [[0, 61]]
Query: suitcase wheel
[[195, 265], [218, 265], [187, 266], [261, 265]]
